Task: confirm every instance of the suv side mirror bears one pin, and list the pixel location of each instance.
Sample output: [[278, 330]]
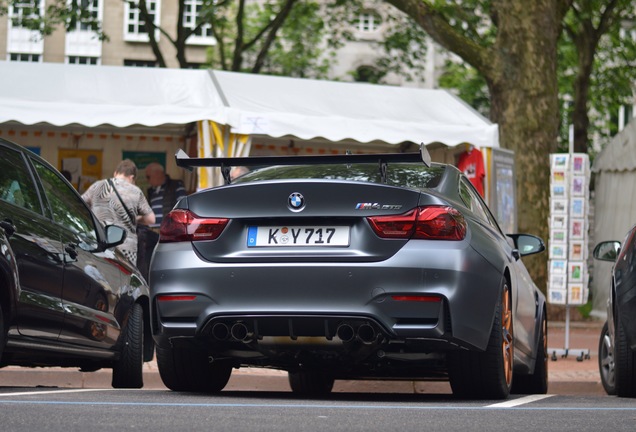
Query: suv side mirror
[[607, 250]]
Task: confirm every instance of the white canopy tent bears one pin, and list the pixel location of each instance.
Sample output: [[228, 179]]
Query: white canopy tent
[[230, 107], [614, 201], [307, 109], [91, 96]]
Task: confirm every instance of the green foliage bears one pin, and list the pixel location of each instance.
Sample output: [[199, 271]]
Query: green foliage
[[611, 80], [303, 46], [468, 84], [613, 74], [404, 46], [470, 18]]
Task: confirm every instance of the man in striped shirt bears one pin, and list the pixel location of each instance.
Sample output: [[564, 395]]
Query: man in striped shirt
[[163, 194]]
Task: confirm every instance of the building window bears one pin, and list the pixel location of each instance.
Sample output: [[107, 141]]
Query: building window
[[203, 34], [82, 44], [92, 7], [24, 44], [134, 24], [24, 10], [82, 60], [140, 63], [368, 21], [368, 74], [23, 57]]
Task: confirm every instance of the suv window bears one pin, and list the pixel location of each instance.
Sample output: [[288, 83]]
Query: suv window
[[16, 183], [68, 208]]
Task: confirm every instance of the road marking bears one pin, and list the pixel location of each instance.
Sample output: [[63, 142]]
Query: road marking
[[517, 402], [53, 392]]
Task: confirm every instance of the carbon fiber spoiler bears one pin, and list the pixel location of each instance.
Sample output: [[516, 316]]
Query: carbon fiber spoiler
[[185, 161]]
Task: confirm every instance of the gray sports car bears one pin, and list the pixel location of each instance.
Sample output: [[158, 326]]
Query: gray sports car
[[334, 267]]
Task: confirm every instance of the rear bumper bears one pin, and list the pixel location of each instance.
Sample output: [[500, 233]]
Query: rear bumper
[[264, 295]]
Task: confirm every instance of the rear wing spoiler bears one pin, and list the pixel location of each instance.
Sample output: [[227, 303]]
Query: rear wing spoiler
[[185, 161]]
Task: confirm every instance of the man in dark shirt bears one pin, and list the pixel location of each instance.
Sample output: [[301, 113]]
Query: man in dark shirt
[[163, 194]]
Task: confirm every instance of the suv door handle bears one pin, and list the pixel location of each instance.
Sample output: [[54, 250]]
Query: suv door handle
[[8, 227]]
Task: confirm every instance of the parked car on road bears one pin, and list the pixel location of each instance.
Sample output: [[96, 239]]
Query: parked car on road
[[67, 296], [345, 267], [617, 344]]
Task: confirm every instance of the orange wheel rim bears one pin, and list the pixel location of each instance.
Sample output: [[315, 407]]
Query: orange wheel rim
[[507, 339]]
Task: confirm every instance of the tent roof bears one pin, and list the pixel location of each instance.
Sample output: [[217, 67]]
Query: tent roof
[[620, 153], [62, 95], [279, 106], [92, 96]]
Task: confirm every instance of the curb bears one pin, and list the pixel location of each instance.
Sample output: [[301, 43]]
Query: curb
[[565, 375]]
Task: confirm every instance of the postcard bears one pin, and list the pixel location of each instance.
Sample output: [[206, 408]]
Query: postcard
[[576, 270], [558, 251], [577, 250], [577, 208], [557, 296], [558, 235], [559, 206], [577, 229], [558, 221], [560, 161], [558, 267]]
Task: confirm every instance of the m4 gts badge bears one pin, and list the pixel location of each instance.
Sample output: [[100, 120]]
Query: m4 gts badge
[[377, 206]]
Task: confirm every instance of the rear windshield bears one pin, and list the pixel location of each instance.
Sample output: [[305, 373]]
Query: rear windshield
[[410, 175]]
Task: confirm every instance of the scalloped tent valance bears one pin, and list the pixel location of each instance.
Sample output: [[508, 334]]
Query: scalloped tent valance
[[92, 96]]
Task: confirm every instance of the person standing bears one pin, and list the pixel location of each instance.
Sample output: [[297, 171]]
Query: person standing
[[163, 194], [118, 201]]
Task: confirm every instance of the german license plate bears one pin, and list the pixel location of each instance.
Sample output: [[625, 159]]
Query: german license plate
[[285, 236]]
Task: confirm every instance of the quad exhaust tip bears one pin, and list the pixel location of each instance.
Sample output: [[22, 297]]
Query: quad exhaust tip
[[239, 331]]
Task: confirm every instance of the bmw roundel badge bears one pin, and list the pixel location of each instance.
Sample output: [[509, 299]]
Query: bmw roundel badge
[[296, 202]]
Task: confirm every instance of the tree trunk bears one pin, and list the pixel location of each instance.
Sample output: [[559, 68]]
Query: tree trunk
[[524, 96]]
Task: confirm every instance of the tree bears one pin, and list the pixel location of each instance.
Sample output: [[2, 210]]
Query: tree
[[595, 71], [283, 37], [248, 33], [513, 45], [596, 62]]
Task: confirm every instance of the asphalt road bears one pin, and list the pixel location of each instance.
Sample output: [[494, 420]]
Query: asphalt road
[[57, 409]]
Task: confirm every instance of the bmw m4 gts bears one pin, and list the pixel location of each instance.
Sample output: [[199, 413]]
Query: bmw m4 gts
[[336, 267]]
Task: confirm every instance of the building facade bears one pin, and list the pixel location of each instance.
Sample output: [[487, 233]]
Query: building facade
[[128, 42]]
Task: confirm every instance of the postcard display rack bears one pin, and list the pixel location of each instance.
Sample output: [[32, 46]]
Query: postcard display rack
[[568, 243]]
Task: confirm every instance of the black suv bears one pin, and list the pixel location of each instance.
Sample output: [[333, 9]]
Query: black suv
[[67, 296], [617, 344]]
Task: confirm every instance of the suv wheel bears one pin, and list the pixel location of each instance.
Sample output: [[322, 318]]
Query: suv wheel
[[128, 370]]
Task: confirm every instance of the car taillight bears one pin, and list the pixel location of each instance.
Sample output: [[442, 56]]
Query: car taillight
[[183, 225], [428, 223]]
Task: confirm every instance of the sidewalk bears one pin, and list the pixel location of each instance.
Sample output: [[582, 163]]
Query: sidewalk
[[567, 375]]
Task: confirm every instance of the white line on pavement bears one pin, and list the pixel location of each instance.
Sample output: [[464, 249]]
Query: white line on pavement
[[53, 392], [517, 402]]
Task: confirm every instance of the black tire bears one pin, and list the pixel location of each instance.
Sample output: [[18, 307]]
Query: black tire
[[189, 370], [606, 364], [625, 364], [310, 383], [536, 382], [487, 374], [128, 370]]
